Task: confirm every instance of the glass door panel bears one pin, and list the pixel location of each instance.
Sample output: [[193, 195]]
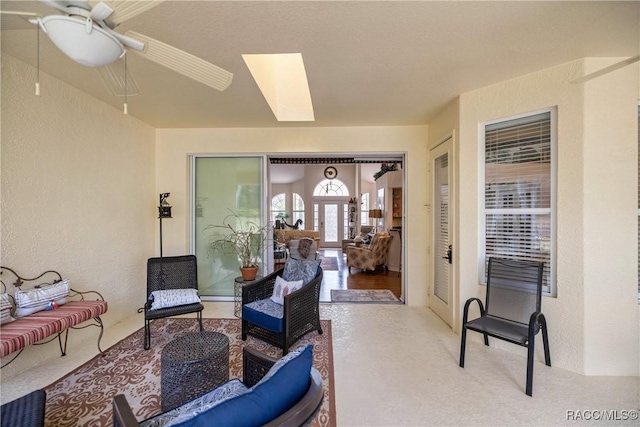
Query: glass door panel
[[220, 186]]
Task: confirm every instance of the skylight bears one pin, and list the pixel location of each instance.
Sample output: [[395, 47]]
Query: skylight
[[283, 82]]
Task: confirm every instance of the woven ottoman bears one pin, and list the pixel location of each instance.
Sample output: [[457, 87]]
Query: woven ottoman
[[192, 365]]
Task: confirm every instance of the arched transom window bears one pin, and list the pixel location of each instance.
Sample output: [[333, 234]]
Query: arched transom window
[[331, 187]]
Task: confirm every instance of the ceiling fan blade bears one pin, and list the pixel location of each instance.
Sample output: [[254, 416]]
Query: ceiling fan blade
[[124, 10], [12, 20], [113, 77], [606, 70], [184, 63]]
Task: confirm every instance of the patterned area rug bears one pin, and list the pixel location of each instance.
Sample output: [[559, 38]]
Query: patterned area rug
[[84, 396], [329, 263], [378, 296]]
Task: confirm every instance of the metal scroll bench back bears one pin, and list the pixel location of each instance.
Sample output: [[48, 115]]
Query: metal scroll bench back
[[512, 309]]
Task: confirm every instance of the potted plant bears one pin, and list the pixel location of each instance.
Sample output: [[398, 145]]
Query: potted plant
[[241, 237]]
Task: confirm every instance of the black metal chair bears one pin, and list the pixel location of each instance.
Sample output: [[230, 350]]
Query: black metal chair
[[301, 312], [177, 272], [512, 312]]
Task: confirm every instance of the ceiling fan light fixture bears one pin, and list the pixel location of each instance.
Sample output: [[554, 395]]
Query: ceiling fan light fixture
[[92, 48]]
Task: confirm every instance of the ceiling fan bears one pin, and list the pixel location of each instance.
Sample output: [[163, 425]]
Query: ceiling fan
[[87, 35]]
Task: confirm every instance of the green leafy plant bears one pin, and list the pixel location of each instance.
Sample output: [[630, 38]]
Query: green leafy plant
[[239, 236]]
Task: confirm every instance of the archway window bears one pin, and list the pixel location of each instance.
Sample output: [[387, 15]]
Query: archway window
[[298, 208], [364, 209], [278, 205], [331, 187]]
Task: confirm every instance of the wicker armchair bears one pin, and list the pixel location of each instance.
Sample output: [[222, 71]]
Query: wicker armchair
[[178, 272], [372, 256], [300, 312]]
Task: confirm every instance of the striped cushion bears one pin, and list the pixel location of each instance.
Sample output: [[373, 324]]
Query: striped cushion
[[38, 326]]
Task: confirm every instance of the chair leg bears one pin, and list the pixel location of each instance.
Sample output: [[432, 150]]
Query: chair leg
[[244, 330], [463, 344], [147, 334], [530, 354], [545, 340], [200, 320], [486, 340]]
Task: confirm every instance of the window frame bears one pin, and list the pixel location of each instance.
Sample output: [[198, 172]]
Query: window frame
[[551, 289]]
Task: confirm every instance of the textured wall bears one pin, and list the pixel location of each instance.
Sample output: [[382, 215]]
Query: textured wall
[[78, 192], [579, 237]]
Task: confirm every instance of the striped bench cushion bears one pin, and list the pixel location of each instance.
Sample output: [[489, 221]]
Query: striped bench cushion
[[43, 324]]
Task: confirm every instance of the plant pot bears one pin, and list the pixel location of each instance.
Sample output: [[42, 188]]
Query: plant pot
[[248, 273]]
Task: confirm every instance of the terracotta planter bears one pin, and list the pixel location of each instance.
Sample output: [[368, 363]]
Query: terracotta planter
[[249, 273]]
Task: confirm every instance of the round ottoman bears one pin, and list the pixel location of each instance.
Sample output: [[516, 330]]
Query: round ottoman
[[191, 366]]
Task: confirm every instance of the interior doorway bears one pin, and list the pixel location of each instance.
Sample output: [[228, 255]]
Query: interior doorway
[[332, 187]]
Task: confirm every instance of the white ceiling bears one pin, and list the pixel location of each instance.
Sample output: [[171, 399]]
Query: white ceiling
[[368, 63]]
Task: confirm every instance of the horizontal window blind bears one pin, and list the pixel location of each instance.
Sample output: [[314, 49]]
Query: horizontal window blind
[[518, 191]]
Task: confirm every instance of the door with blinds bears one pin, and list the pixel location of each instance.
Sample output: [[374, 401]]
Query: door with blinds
[[441, 301]]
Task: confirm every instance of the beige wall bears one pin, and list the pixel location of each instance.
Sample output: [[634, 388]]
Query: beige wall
[[173, 147], [78, 192], [593, 321]]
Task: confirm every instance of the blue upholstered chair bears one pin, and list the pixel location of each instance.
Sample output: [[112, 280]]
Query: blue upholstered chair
[[283, 324]]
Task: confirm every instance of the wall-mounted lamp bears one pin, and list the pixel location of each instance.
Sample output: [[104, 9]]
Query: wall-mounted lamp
[[164, 211]]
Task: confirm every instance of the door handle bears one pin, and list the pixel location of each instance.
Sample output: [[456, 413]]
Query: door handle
[[449, 256]]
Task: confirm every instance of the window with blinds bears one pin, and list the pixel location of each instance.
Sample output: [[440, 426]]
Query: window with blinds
[[519, 200]]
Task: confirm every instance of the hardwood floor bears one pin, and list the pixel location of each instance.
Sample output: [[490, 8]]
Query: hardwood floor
[[358, 279]]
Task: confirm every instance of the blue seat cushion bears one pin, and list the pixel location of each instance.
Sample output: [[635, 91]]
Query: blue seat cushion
[[265, 313], [281, 388]]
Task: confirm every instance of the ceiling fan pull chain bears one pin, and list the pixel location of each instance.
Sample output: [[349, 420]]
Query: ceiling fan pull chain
[[125, 85], [38, 62]]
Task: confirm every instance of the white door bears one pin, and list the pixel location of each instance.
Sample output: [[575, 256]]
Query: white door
[[330, 223], [442, 253]]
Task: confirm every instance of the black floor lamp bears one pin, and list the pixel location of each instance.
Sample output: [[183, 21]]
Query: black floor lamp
[[164, 211]]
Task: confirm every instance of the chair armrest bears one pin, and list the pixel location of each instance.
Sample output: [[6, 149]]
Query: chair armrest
[[260, 289], [467, 304], [254, 365], [303, 412], [122, 413]]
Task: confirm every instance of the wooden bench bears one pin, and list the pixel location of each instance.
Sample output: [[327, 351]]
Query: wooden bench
[[45, 326]]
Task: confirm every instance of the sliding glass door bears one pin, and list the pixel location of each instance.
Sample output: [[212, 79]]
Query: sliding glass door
[[221, 186]]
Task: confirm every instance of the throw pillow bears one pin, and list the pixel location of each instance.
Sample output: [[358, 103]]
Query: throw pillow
[[300, 269], [283, 288], [183, 413], [173, 297], [286, 382], [38, 299], [5, 309]]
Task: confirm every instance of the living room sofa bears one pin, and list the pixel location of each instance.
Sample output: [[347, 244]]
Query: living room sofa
[[283, 237]]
